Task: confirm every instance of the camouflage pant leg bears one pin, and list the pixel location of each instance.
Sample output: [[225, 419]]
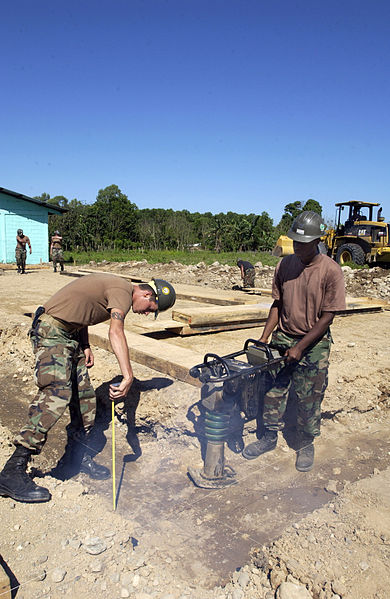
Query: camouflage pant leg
[[62, 379], [275, 400], [57, 256], [310, 382], [309, 376], [82, 406], [20, 256], [249, 278]]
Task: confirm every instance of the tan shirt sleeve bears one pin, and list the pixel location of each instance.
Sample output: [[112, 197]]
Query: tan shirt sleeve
[[118, 298], [334, 297]]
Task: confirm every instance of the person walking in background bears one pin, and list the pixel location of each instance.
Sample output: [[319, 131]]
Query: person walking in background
[[20, 250], [308, 288], [56, 251], [247, 273]]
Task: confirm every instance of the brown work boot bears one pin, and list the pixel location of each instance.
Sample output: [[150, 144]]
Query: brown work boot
[[16, 483], [305, 458], [266, 443]]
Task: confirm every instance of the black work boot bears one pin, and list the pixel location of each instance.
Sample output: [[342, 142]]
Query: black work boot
[[55, 269], [76, 460], [16, 483], [305, 458], [266, 443], [94, 470], [62, 267]]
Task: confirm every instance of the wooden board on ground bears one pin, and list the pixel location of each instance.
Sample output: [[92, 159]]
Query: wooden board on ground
[[366, 302], [184, 330], [222, 315], [5, 583], [12, 266], [163, 357], [256, 290], [195, 293]]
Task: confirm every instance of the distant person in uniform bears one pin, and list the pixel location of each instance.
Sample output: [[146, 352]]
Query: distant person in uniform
[[20, 250], [247, 273], [56, 251]]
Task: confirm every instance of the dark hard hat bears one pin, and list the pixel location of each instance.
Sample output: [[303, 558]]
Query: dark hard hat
[[20, 231], [307, 227], [165, 294]]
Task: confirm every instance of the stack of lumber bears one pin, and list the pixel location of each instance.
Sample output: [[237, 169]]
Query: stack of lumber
[[205, 320]]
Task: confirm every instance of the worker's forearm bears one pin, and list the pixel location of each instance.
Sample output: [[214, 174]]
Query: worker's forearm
[[271, 323], [121, 351], [318, 330], [84, 338]]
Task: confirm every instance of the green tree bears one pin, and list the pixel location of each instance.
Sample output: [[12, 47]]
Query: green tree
[[115, 218], [59, 201], [264, 233], [313, 205], [44, 197], [291, 211]]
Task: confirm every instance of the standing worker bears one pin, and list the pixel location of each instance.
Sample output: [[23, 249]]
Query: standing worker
[[247, 273], [308, 288], [59, 336], [56, 251], [20, 250]]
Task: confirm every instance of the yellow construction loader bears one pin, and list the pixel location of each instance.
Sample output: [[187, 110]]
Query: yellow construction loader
[[358, 239]]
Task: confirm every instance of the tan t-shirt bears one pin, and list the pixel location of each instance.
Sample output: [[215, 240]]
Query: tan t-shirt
[[87, 300], [306, 291]]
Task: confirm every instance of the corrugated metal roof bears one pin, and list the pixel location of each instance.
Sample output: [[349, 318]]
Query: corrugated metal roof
[[51, 207]]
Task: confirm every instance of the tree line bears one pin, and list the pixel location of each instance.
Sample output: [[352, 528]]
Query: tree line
[[114, 222]]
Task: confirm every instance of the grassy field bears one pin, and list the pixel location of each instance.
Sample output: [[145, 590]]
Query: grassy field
[[165, 256]]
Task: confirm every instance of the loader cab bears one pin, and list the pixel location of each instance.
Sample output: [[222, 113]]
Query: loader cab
[[358, 213]]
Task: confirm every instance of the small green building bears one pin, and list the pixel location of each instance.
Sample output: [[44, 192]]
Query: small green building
[[18, 211]]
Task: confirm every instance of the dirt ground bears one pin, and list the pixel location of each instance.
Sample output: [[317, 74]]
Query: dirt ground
[[277, 533]]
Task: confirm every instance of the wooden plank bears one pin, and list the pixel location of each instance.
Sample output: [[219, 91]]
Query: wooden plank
[[97, 271], [163, 357], [12, 266], [222, 315], [366, 302], [5, 582], [257, 290], [218, 328]]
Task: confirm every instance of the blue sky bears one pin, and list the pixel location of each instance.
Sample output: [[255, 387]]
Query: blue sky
[[210, 105]]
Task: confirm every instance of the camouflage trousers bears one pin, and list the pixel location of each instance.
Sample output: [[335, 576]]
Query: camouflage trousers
[[62, 379], [310, 379], [249, 277], [20, 256], [57, 256]]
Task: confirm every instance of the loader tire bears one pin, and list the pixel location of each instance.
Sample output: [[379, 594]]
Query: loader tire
[[350, 252]]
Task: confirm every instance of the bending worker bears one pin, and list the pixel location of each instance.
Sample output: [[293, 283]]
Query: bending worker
[[59, 336], [247, 273], [20, 250], [308, 288]]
